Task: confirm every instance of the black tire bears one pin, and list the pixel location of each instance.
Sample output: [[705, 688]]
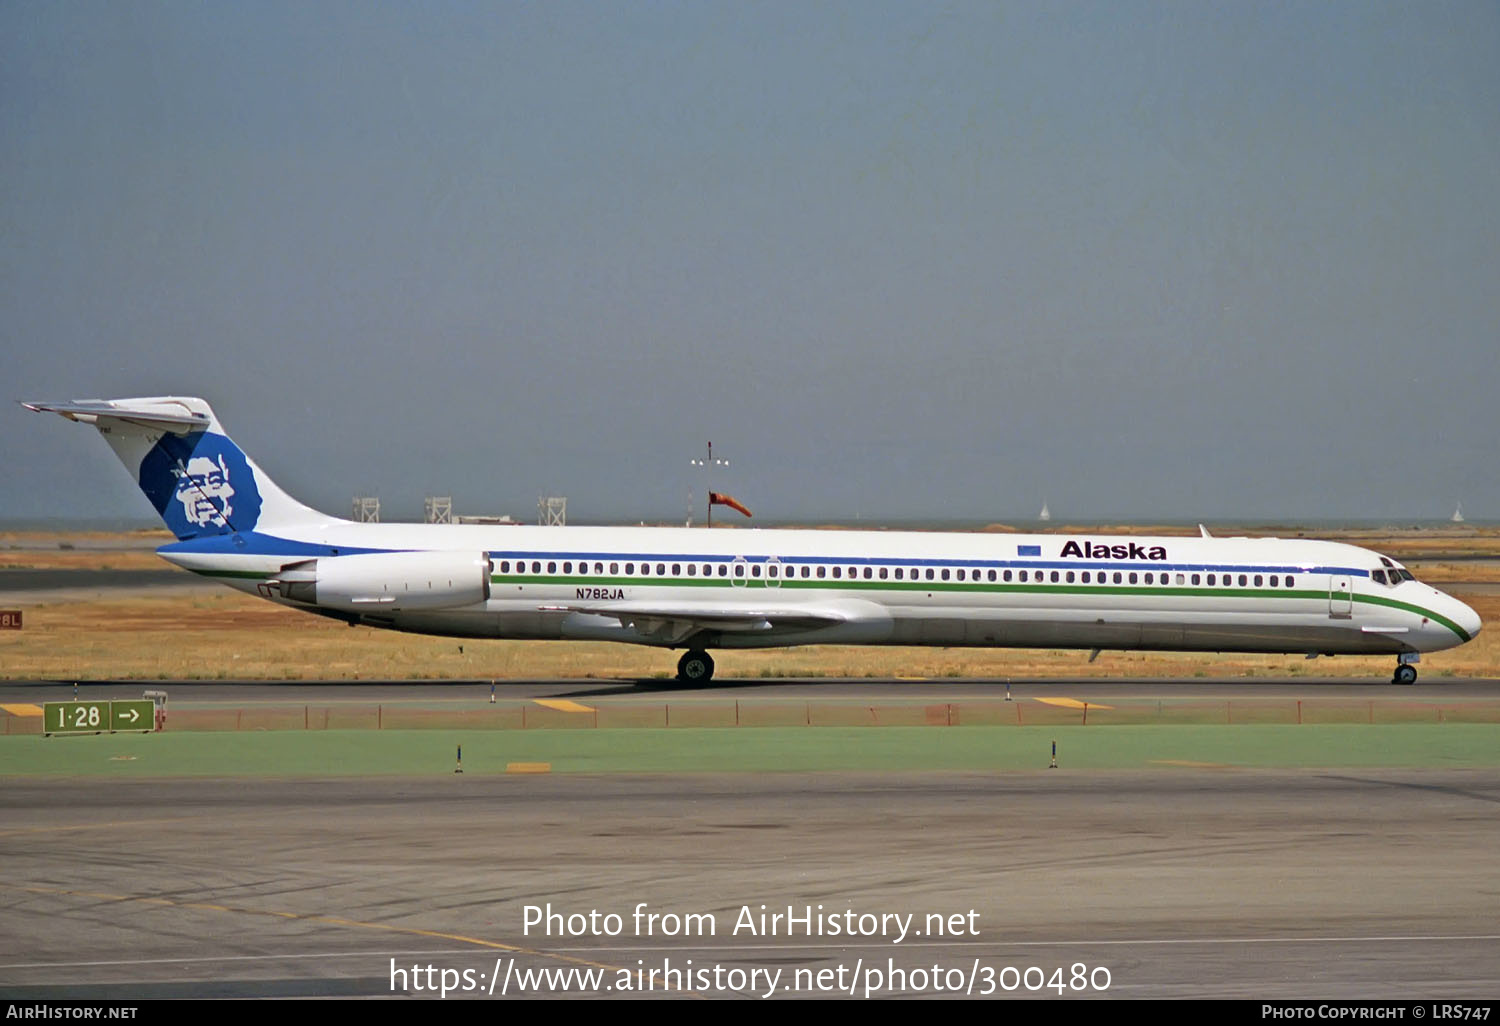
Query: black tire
[[1406, 673], [695, 667]]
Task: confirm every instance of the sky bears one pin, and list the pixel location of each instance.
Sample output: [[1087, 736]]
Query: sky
[[896, 260]]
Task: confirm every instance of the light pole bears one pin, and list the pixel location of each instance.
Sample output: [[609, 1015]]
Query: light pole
[[708, 463]]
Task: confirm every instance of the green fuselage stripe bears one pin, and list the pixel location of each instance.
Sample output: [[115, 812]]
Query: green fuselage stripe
[[977, 587], [949, 587]]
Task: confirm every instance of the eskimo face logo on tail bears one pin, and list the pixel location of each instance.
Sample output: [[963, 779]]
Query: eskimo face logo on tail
[[200, 484], [204, 491]]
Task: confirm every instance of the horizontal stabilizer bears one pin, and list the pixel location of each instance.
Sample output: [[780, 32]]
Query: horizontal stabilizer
[[173, 418]]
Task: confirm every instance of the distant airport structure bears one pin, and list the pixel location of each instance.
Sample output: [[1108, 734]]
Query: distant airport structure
[[366, 509], [552, 511], [436, 509]]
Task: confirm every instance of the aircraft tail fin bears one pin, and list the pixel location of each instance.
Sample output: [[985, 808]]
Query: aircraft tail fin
[[198, 480]]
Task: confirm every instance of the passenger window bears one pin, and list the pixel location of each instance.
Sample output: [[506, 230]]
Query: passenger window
[[1181, 579], [1085, 577], [945, 573], [898, 573], [661, 569], [929, 573], [1150, 579], [1070, 577], [771, 570], [870, 573], [1054, 577], [838, 572], [692, 569], [992, 575], [755, 570], [960, 575], [822, 571], [505, 566], [1257, 580], [614, 568], [739, 570], [629, 568], [1006, 575], [1195, 578], [536, 567], [1243, 581], [882, 573], [723, 570], [1275, 581], [1288, 580], [1132, 578], [1023, 576]]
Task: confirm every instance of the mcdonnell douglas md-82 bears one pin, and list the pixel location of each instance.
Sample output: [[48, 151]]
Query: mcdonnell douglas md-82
[[698, 590]]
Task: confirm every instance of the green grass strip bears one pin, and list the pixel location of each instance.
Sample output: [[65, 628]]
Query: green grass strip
[[751, 750]]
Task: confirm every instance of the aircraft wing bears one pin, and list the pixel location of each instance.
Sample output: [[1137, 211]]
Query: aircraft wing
[[176, 421], [675, 622]]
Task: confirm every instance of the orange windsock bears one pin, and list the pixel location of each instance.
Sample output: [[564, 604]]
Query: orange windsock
[[720, 499]]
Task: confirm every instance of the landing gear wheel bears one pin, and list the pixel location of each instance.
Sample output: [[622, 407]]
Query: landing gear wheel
[[1406, 673], [695, 667]]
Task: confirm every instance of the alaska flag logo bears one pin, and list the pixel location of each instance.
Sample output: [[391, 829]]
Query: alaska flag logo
[[201, 485]]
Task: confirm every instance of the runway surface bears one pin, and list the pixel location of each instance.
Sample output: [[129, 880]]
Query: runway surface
[[1164, 884], [1185, 882], [822, 688]]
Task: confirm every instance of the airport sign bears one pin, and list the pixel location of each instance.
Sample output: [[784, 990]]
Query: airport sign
[[98, 717]]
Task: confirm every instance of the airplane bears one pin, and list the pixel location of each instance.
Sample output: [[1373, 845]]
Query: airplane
[[697, 590]]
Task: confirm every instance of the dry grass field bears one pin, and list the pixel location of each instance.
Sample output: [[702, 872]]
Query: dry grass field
[[221, 634]]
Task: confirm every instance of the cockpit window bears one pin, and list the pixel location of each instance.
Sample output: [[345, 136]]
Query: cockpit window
[[1405, 574], [1386, 562], [1378, 576]]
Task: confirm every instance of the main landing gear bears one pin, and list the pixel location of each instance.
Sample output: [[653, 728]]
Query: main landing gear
[[695, 667]]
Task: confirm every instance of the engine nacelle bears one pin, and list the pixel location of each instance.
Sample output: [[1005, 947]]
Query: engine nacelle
[[387, 581]]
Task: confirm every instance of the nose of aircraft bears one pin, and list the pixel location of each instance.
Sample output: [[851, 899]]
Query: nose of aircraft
[[1466, 617], [1451, 622]]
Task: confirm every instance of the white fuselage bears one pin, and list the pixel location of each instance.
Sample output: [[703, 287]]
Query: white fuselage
[[677, 587]]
